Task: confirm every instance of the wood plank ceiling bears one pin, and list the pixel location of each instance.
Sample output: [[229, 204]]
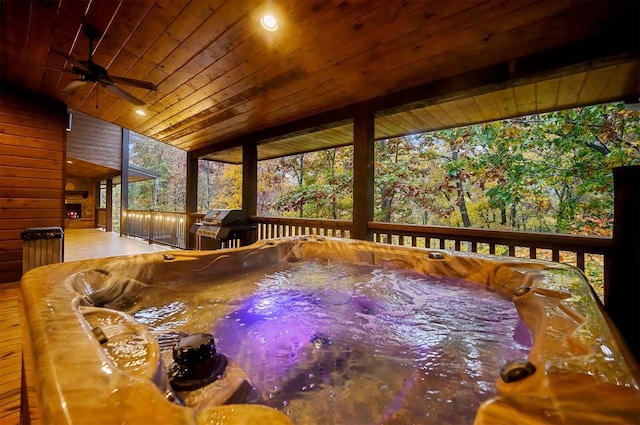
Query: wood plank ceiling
[[417, 64]]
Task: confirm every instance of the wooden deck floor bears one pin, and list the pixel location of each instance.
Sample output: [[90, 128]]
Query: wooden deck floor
[[83, 244], [80, 244], [10, 355]]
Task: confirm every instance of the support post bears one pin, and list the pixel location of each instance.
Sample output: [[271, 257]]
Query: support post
[[97, 185], [98, 201], [622, 295], [124, 181], [109, 206], [250, 184], [363, 174], [192, 198]]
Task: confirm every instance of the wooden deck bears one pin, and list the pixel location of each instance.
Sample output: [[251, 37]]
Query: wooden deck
[[80, 244], [10, 355], [83, 244]]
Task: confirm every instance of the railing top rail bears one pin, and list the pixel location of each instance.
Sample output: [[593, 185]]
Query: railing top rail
[[296, 221], [538, 239], [156, 211], [593, 244]]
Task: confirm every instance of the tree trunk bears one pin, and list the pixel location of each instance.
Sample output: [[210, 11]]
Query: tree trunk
[[462, 205], [385, 206], [301, 180], [331, 156]]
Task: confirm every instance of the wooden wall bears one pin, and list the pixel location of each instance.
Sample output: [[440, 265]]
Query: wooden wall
[[32, 159], [95, 141]]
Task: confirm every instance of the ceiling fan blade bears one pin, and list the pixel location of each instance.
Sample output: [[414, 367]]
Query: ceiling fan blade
[[73, 87], [134, 83], [123, 94], [44, 67], [76, 63]]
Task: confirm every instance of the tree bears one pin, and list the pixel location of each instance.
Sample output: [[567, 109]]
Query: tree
[[591, 141], [272, 182], [452, 148], [314, 184], [219, 185], [168, 193], [293, 167], [228, 189], [505, 169]]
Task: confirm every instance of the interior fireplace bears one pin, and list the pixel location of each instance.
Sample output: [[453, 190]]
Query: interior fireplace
[[73, 210]]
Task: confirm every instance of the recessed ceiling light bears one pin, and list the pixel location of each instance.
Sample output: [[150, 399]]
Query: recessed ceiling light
[[269, 23], [141, 112], [69, 162]]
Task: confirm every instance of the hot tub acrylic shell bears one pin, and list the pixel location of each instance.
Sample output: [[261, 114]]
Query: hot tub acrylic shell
[[584, 373]]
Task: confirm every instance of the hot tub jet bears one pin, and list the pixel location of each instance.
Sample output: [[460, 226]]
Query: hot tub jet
[[196, 363]]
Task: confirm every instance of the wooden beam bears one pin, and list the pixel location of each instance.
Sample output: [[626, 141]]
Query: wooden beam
[[250, 185], [363, 174], [250, 178], [317, 122], [124, 180]]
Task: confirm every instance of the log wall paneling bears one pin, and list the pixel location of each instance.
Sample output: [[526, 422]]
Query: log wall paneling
[[32, 159], [95, 141]]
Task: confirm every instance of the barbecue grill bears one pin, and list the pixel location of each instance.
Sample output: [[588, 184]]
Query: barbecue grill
[[221, 228]]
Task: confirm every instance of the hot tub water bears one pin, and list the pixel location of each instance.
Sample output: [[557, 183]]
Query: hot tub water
[[327, 342]]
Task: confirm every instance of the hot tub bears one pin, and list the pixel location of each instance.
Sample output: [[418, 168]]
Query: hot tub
[[98, 350]]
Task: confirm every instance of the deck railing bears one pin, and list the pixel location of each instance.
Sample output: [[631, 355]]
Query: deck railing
[[278, 227], [589, 253], [168, 228], [548, 246]]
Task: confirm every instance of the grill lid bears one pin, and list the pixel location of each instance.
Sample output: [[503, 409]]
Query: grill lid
[[223, 224], [225, 217]]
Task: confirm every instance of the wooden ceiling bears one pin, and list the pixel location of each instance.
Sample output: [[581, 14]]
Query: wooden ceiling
[[417, 64], [604, 84]]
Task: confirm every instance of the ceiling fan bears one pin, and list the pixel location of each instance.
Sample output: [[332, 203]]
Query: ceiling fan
[[89, 71]]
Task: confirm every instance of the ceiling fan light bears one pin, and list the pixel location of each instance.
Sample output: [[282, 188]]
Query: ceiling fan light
[[141, 112], [269, 23]]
